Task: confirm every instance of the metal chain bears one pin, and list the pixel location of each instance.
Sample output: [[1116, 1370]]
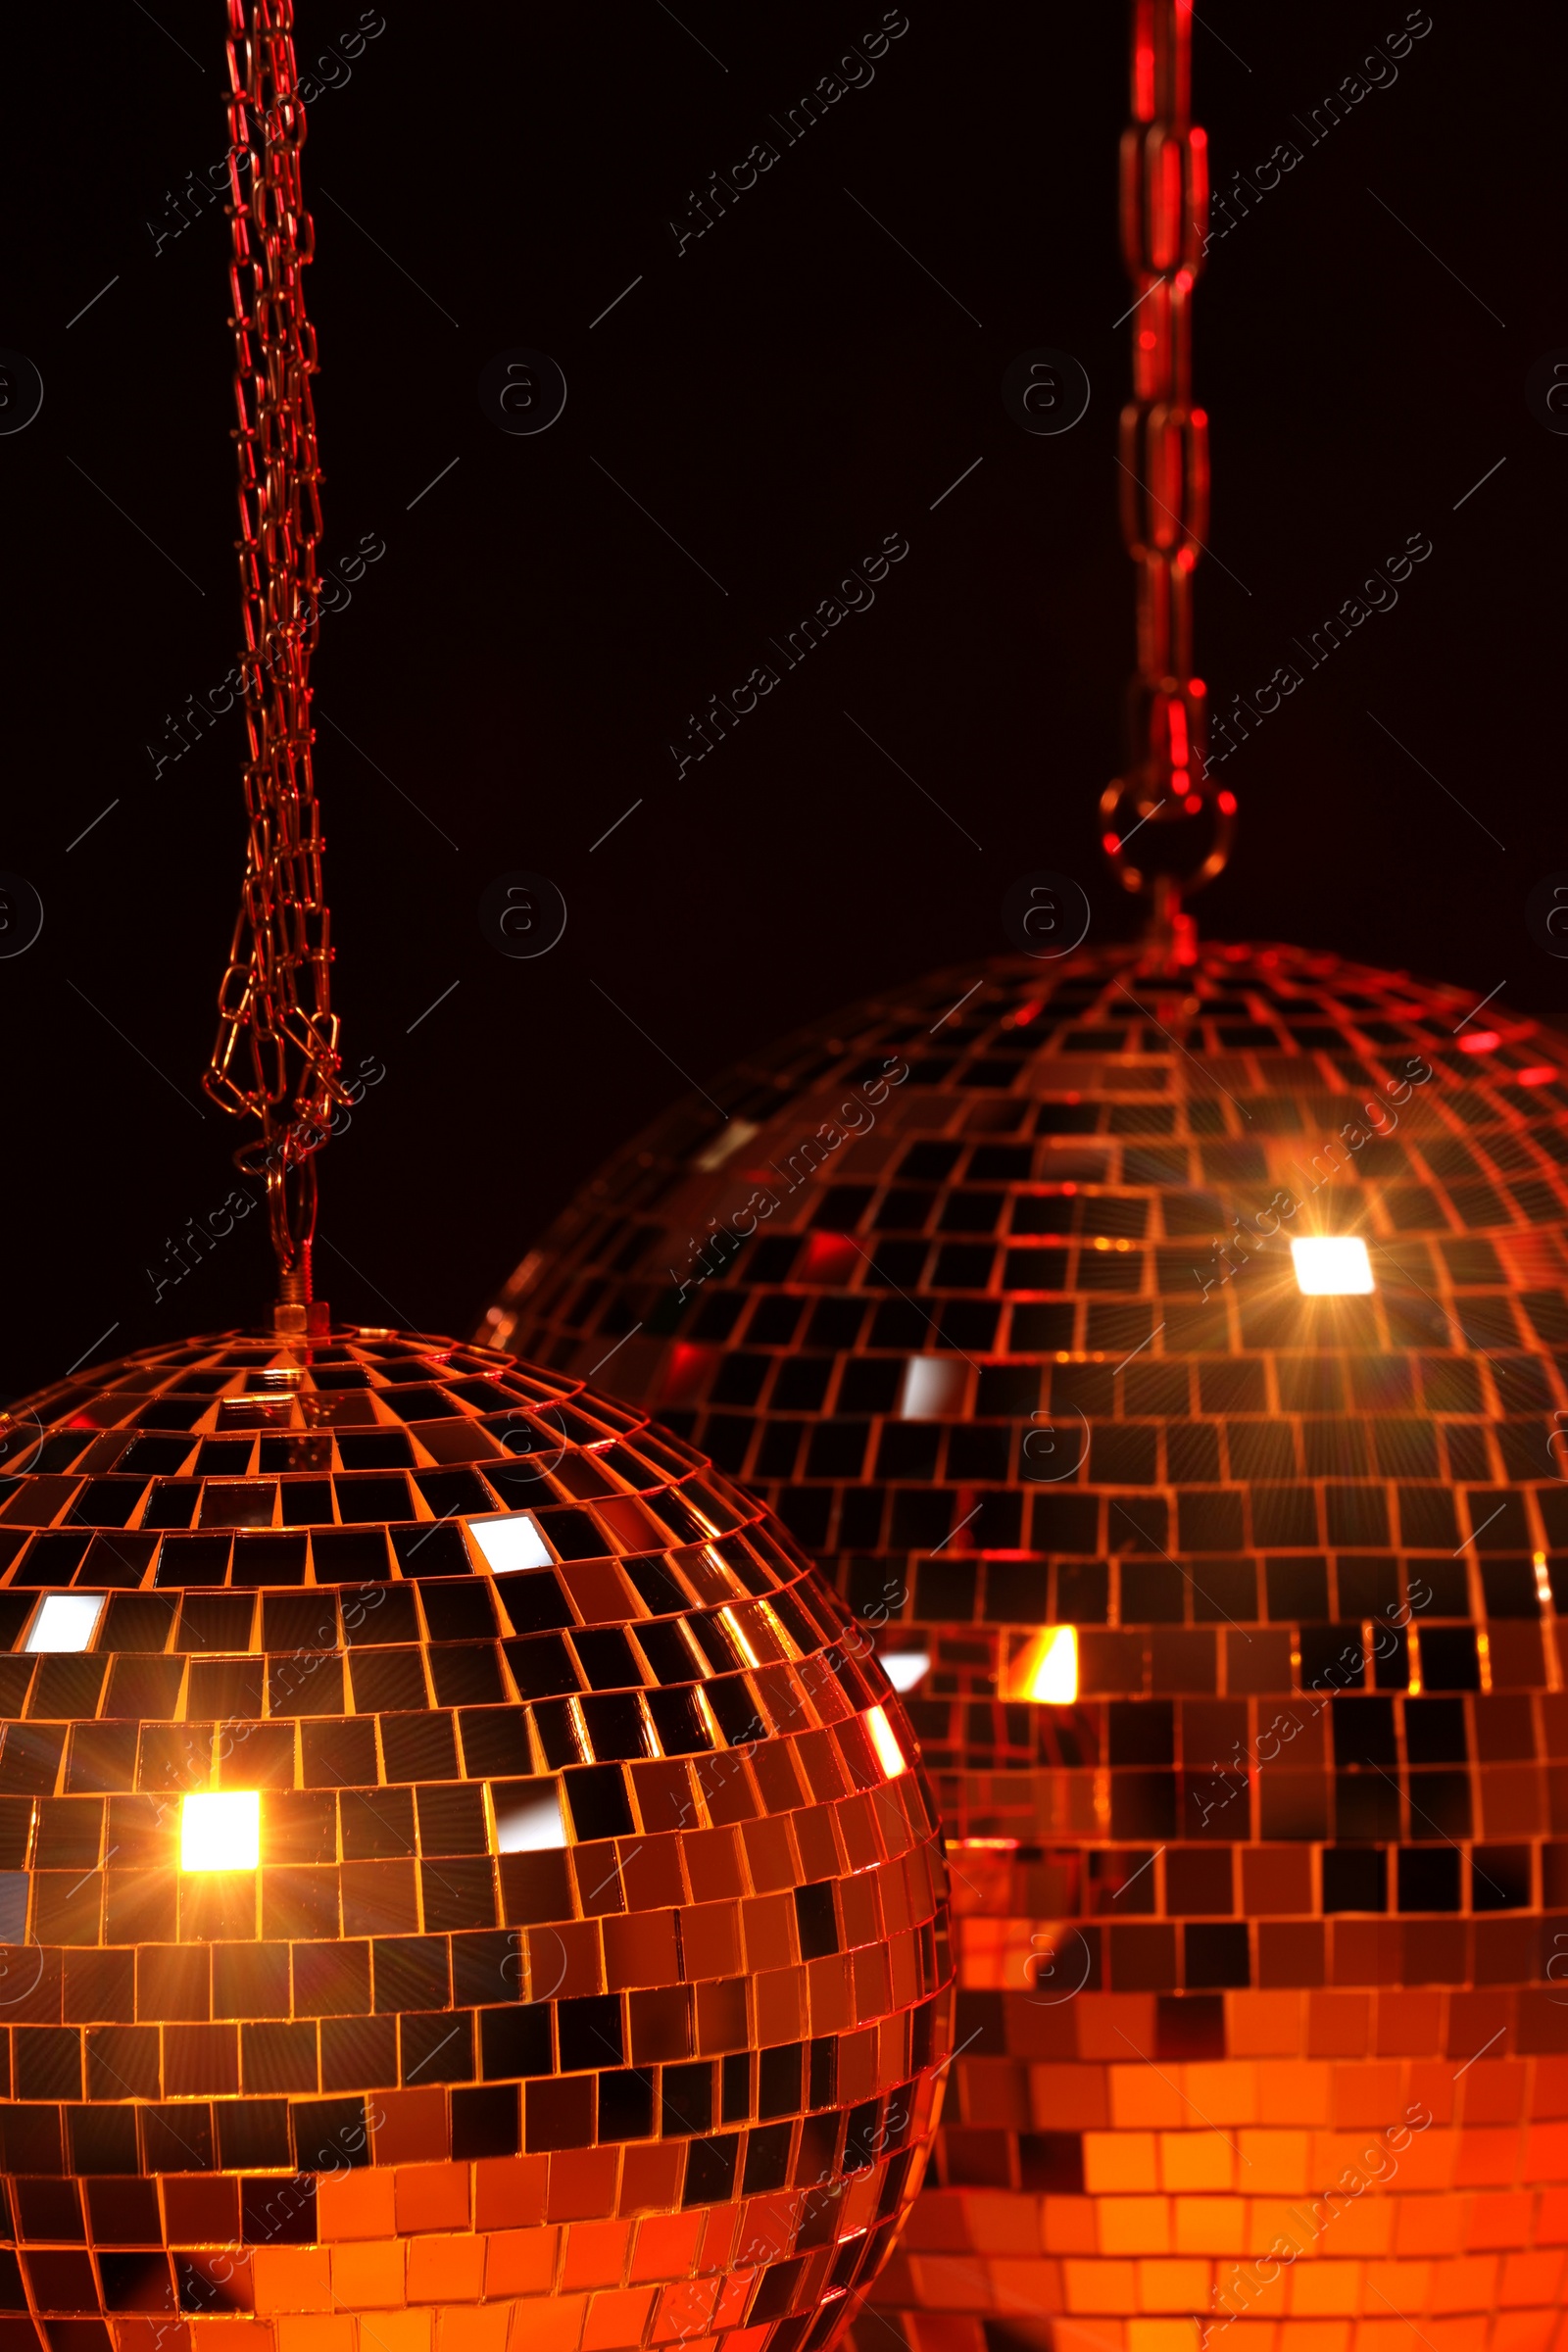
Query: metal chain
[[1183, 821], [277, 1056]]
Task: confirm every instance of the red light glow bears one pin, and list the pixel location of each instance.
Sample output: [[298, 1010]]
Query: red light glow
[[829, 1257], [1480, 1041], [1143, 75], [1539, 1073], [690, 1366]]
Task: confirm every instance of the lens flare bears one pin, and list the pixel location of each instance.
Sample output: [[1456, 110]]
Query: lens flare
[[221, 1832]]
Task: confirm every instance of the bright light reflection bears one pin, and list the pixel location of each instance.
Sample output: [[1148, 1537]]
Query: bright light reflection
[[1331, 1265], [511, 1543], [1048, 1670], [739, 1631], [221, 1832], [889, 1754], [932, 1385], [904, 1668], [67, 1621], [529, 1824]]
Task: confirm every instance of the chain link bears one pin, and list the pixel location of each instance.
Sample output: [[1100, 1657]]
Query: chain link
[[276, 1054], [1165, 481]]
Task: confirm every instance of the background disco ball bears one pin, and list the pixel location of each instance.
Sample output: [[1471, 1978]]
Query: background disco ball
[[456, 1885], [1228, 1614]]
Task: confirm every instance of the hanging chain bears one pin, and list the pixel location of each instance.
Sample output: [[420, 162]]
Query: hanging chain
[[277, 1056], [1183, 822]]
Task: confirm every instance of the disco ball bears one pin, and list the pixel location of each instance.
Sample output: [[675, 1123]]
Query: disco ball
[[1173, 1370], [461, 1885]]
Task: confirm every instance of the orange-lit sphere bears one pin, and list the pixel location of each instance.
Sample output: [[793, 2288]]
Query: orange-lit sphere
[[1222, 1566], [462, 1886]]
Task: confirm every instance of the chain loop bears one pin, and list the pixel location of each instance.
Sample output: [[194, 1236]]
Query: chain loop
[[1164, 483], [277, 1056]]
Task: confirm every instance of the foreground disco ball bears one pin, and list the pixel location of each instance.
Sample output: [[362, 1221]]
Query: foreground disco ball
[[455, 1890], [1228, 1612]]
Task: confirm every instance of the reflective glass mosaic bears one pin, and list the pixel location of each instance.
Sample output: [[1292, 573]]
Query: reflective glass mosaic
[[463, 1884], [1227, 1614]]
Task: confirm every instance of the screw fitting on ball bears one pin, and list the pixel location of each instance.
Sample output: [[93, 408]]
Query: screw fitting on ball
[[296, 1312]]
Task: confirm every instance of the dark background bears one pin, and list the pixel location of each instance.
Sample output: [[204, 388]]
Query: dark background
[[780, 396]]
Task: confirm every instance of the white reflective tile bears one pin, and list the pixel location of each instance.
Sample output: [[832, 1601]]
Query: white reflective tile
[[66, 1621], [530, 1825], [933, 1385], [511, 1543]]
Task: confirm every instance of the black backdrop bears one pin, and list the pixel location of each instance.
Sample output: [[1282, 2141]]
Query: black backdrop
[[804, 378]]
